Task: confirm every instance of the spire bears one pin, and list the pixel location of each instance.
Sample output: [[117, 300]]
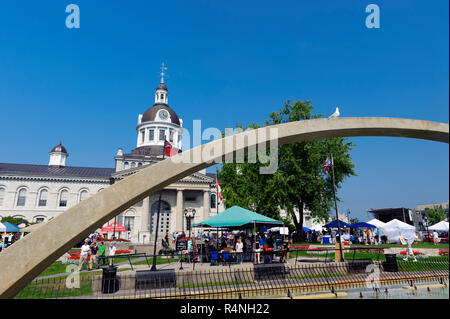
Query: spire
[[163, 68]]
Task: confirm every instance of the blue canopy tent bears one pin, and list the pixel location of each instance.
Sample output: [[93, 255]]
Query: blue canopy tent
[[334, 224], [305, 229], [8, 227], [363, 225]]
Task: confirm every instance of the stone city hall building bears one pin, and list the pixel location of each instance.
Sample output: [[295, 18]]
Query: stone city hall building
[[41, 192]]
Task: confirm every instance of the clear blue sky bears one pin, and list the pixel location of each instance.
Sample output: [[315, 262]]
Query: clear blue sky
[[229, 62]]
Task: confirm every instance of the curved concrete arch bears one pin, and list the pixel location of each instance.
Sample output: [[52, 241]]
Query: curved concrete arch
[[32, 254]]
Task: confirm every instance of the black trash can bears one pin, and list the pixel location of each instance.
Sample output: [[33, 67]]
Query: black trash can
[[390, 264], [110, 283]]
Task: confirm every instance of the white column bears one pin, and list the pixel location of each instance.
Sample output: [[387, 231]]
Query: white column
[[206, 204], [145, 212], [180, 215]]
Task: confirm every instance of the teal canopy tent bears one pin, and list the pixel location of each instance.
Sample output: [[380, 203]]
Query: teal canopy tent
[[238, 217]]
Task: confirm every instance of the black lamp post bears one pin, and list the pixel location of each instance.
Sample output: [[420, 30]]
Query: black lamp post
[[189, 213]]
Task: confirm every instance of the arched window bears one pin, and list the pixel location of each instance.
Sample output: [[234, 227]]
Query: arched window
[[63, 197], [133, 165], [140, 165], [83, 195], [213, 200], [22, 197], [43, 198], [126, 165], [2, 195]]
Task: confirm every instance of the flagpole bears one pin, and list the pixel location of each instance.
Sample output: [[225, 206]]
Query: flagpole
[[157, 217], [217, 207], [336, 207]]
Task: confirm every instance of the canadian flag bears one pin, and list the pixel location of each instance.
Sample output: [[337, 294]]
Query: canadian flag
[[219, 193], [168, 149], [328, 163]]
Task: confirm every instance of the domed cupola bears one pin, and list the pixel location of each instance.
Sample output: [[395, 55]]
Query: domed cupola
[[160, 121], [58, 156]]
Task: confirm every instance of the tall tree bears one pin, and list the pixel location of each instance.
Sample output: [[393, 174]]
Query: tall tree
[[435, 214], [298, 184]]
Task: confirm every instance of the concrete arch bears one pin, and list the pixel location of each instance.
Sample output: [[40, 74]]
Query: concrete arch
[[32, 254]]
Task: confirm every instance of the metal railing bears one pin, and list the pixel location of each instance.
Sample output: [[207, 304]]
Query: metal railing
[[246, 280]]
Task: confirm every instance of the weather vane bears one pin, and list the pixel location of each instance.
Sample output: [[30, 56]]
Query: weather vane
[[163, 68]]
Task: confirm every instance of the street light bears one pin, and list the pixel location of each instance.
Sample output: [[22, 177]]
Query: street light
[[189, 213]]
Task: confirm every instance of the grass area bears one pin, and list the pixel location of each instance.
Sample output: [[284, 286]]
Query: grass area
[[159, 261], [418, 245]]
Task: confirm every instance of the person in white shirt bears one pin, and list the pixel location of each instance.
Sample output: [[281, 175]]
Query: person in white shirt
[[84, 256], [239, 251], [435, 237], [112, 252]]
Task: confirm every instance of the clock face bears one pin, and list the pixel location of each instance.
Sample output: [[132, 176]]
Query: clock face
[[163, 114]]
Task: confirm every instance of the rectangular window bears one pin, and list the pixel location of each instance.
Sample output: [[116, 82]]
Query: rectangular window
[[142, 136], [171, 136], [151, 135], [162, 135]]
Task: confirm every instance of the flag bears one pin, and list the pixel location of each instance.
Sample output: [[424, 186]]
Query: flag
[[328, 163], [168, 149], [219, 192]]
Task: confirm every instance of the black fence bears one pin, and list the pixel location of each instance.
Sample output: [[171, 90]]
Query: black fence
[[248, 280]]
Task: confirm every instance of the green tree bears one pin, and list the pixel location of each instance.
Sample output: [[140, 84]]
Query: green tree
[[435, 215], [299, 183], [13, 220]]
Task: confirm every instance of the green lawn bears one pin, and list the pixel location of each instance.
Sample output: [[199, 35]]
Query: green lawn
[[418, 245]]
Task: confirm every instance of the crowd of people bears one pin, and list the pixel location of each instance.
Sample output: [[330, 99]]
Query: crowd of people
[[242, 245], [93, 252]]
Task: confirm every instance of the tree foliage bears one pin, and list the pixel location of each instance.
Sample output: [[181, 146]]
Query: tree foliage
[[435, 214], [14, 220], [299, 183]]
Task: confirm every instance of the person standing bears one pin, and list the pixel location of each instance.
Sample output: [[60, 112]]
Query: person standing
[[257, 249], [239, 251], [94, 255], [101, 254], [112, 253], [435, 237], [84, 256]]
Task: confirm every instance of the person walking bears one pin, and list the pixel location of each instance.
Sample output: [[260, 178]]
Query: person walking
[[84, 255], [101, 254], [94, 255], [112, 253], [435, 237]]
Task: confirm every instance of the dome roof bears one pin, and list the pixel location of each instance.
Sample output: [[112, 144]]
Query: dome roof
[[151, 113], [59, 148], [161, 86]]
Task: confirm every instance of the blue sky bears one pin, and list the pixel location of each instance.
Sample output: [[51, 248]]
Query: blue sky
[[229, 62]]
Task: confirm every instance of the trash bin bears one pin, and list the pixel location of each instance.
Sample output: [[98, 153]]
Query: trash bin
[[110, 283], [391, 263]]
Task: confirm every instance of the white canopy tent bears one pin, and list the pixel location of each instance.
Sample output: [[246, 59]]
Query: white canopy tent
[[376, 222], [395, 229], [442, 226]]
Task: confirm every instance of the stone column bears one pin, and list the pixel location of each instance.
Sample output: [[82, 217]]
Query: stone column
[[179, 211], [144, 215], [206, 204]]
